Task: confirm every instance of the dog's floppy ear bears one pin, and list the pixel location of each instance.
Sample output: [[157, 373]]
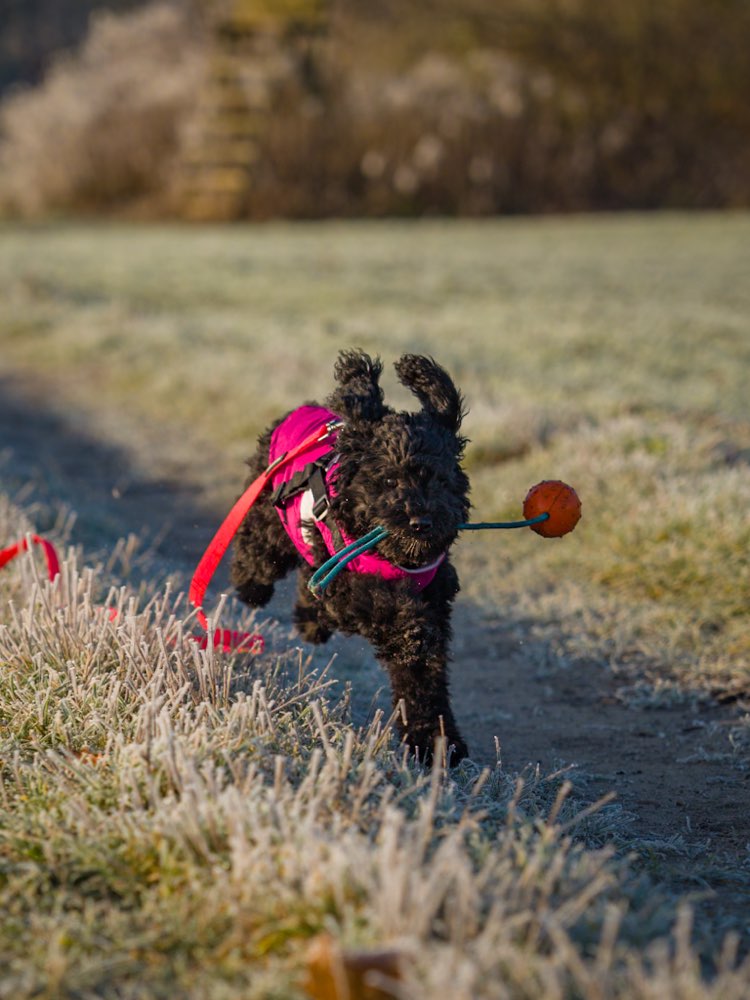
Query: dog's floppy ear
[[359, 396], [434, 388]]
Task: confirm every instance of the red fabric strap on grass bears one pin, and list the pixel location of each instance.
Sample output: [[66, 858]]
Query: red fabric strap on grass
[[222, 539], [237, 642], [241, 642], [222, 638], [50, 555]]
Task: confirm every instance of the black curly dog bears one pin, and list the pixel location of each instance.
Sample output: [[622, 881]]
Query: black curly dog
[[402, 471]]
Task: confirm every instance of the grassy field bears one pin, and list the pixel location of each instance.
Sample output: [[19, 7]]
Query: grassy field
[[183, 824], [612, 353]]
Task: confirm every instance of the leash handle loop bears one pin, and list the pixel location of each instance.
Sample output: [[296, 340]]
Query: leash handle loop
[[50, 554]]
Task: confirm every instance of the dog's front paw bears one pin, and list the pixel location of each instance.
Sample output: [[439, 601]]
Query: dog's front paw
[[457, 751], [257, 595], [424, 748]]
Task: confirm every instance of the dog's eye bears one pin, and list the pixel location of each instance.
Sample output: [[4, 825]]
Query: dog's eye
[[391, 483]]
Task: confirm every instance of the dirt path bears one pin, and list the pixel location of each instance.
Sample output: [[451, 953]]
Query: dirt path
[[669, 766]]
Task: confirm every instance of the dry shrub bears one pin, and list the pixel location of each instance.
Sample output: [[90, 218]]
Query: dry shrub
[[104, 126], [529, 106], [445, 135], [411, 108], [661, 92]]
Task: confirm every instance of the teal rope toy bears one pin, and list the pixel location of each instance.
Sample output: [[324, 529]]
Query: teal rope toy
[[482, 525], [331, 568], [341, 559], [551, 509]]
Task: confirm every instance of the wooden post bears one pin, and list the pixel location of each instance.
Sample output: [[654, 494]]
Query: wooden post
[[222, 151]]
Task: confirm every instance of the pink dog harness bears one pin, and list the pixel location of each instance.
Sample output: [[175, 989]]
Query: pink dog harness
[[301, 502]]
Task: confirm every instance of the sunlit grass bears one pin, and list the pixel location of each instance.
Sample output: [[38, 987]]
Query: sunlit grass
[[181, 823], [548, 320], [660, 559]]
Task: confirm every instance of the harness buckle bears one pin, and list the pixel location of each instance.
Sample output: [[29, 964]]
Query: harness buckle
[[317, 486], [320, 509]]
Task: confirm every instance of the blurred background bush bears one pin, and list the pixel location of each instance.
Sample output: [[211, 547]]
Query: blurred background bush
[[232, 109]]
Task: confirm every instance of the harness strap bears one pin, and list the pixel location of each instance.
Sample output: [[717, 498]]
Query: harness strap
[[321, 506], [318, 489], [291, 487]]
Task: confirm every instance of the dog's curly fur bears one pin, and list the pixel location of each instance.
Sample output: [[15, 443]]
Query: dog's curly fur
[[402, 471]]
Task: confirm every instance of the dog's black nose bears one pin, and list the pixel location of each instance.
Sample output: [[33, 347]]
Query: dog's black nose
[[422, 523]]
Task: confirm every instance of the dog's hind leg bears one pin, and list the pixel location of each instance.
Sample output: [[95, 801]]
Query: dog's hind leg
[[263, 552]]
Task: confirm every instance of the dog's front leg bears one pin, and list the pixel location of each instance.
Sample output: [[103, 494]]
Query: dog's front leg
[[417, 665], [414, 651]]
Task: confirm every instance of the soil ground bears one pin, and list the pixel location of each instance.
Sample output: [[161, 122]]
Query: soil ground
[[669, 764]]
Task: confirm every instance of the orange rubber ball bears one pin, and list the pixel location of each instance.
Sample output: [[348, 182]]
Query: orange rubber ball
[[557, 499]]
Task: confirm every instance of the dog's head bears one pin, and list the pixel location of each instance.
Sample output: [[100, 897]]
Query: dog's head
[[400, 470]]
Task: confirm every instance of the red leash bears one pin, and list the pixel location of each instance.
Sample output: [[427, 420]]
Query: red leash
[[220, 542]]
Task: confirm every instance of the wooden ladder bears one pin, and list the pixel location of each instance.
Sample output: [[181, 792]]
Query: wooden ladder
[[222, 150]]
